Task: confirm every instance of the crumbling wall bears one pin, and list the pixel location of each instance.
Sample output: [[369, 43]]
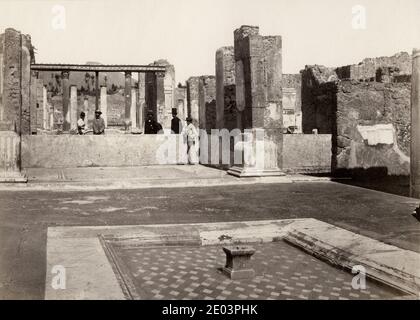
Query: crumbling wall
[[318, 99], [366, 108], [372, 127], [383, 69]]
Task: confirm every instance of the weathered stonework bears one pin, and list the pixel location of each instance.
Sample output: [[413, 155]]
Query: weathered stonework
[[16, 55], [12, 78], [369, 118], [163, 92], [225, 89], [181, 103], [384, 69], [259, 99], [192, 99], [26, 58], [292, 101], [207, 103], [415, 127]]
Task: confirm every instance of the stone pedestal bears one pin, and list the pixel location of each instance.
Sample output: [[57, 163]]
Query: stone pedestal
[[104, 105], [256, 144], [238, 262], [415, 127], [73, 108], [10, 158]]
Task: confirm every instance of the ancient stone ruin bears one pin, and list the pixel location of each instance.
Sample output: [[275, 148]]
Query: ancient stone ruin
[[361, 112]]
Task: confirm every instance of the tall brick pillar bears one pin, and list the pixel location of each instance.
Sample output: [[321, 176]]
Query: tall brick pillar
[[15, 58], [127, 94], [259, 102], [66, 98], [225, 89], [415, 127]]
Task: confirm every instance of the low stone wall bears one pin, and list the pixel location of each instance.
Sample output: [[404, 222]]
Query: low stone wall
[[309, 153], [58, 151], [302, 153]]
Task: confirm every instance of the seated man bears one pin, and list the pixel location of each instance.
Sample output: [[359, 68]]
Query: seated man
[[81, 125], [98, 124]]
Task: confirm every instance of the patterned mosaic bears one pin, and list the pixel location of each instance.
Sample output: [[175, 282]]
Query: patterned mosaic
[[282, 272]]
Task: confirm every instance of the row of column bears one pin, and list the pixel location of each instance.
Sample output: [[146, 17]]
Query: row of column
[[133, 111]]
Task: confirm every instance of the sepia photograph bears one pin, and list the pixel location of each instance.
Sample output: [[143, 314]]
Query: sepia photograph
[[227, 151]]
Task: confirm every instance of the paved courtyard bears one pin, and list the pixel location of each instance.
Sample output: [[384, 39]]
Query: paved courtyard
[[282, 272], [26, 215]]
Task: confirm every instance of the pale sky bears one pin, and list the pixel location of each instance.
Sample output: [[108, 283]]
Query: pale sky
[[188, 32]]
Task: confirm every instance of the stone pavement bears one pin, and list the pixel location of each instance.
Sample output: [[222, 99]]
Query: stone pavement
[[282, 272], [90, 276], [25, 217], [162, 176]]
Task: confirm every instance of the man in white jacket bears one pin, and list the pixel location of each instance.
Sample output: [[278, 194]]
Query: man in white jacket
[[191, 135]]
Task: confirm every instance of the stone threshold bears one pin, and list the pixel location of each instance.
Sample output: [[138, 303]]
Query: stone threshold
[[112, 184], [91, 272]]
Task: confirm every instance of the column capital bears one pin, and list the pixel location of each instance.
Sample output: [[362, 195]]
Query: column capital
[[160, 74], [65, 74], [127, 74]]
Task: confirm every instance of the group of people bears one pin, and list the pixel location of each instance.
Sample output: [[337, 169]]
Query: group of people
[[98, 124], [151, 127]]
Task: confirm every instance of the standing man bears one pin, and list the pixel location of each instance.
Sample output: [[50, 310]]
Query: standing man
[[191, 135], [98, 124], [81, 125], [176, 125]]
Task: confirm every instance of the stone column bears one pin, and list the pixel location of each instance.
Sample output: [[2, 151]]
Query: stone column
[[33, 101], [141, 101], [192, 99], [11, 79], [127, 94], [45, 111], [207, 103], [66, 96], [97, 90], [86, 110], [1, 77], [133, 113], [73, 108], [25, 84], [160, 98], [104, 104], [415, 127], [225, 89], [259, 100]]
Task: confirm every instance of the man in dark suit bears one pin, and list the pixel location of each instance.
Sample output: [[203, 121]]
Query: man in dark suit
[[176, 125]]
